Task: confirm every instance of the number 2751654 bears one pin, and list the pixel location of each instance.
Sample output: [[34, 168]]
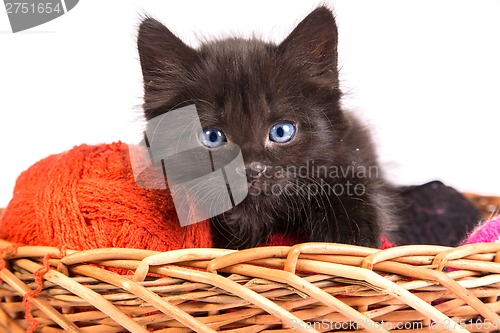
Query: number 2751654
[[32, 8]]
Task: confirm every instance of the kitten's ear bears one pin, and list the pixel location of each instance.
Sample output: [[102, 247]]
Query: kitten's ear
[[165, 59], [313, 43]]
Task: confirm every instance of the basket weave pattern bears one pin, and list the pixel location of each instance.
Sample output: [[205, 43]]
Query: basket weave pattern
[[488, 205], [309, 287]]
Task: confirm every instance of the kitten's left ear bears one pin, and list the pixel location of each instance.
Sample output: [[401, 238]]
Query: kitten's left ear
[[165, 61], [313, 43]]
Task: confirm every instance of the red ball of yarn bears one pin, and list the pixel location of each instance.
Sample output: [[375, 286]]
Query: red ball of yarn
[[87, 198]]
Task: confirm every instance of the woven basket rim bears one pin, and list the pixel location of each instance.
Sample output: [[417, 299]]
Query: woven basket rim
[[370, 281]]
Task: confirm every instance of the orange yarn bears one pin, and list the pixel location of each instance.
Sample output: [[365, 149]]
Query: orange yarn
[[38, 275], [87, 198]]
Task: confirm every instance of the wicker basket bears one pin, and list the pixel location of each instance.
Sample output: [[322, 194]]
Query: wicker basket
[[313, 287], [308, 287], [488, 205]]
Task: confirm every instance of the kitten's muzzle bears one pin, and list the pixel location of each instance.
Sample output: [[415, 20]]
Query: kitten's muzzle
[[253, 172]]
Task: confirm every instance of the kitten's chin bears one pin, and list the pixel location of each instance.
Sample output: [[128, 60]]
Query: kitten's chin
[[254, 191], [257, 188], [264, 189]]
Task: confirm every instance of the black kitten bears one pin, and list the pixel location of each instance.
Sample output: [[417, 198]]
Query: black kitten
[[311, 168]]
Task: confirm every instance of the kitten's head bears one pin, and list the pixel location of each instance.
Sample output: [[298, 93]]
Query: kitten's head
[[272, 100], [278, 103]]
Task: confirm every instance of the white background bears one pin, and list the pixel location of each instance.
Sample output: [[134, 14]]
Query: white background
[[424, 74]]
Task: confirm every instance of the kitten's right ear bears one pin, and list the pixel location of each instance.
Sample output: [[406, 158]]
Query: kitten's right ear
[[165, 59], [313, 44]]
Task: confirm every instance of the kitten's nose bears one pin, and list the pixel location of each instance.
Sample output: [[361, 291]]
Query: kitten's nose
[[253, 170]]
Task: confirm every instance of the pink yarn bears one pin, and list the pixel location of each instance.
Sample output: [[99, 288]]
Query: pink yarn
[[488, 231]]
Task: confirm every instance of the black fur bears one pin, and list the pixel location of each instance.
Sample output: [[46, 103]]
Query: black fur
[[244, 87]]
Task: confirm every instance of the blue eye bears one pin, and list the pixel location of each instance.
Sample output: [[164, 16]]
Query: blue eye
[[212, 137], [282, 132]]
